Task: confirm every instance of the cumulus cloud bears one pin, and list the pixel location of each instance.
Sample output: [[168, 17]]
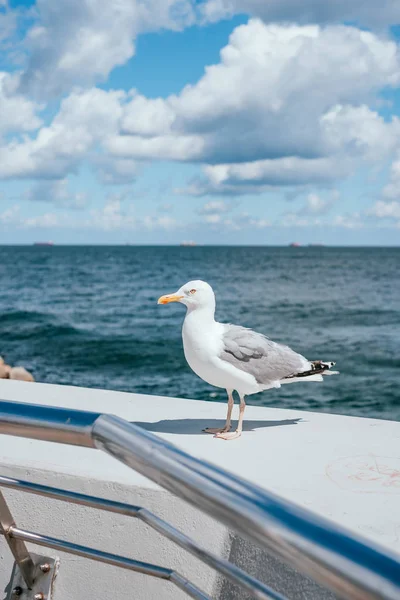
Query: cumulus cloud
[[345, 221], [84, 119], [392, 189], [112, 216], [364, 12], [14, 216], [160, 147], [316, 205], [58, 193], [115, 215], [237, 222], [216, 215], [10, 215], [260, 176], [287, 105], [47, 221], [291, 109], [81, 41], [17, 113], [385, 210], [212, 218], [215, 212], [247, 221], [348, 221], [159, 222], [312, 212]]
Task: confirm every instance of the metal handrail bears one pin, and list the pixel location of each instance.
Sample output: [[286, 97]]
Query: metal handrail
[[229, 570], [111, 559], [346, 564]]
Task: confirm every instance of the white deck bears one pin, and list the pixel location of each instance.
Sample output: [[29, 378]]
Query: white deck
[[346, 469]]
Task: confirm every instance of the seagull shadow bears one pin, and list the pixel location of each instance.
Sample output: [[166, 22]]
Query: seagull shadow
[[195, 426]]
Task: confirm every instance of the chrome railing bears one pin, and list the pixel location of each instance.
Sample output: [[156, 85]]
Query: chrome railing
[[338, 560]]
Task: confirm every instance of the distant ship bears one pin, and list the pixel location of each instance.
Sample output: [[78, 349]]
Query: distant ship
[[294, 245], [43, 243], [188, 243]]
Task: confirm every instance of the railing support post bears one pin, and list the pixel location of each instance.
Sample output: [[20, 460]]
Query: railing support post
[[17, 547]]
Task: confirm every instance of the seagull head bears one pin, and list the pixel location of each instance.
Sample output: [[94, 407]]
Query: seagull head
[[194, 294]]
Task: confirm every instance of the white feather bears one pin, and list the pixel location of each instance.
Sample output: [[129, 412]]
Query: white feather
[[308, 378]]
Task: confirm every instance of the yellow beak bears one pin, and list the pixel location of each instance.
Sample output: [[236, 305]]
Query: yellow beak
[[169, 298]]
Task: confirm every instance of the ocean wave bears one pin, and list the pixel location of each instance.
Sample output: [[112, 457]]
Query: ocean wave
[[98, 325]]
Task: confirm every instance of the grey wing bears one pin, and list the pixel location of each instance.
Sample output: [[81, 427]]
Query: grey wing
[[264, 359]]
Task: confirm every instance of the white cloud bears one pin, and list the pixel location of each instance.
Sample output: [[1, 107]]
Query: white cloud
[[365, 12], [382, 214], [161, 147], [58, 193], [17, 113], [14, 217], [84, 118], [10, 215], [159, 222], [385, 210], [213, 218], [214, 212], [392, 189], [292, 219], [361, 132], [246, 221], [216, 207], [310, 213], [271, 69], [115, 171], [285, 106], [235, 222], [147, 117], [47, 221], [315, 204], [114, 216], [81, 41], [247, 176], [347, 221]]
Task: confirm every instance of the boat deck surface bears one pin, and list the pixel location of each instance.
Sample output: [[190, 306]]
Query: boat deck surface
[[344, 468]]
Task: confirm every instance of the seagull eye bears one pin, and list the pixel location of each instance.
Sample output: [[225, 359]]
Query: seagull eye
[[192, 292]]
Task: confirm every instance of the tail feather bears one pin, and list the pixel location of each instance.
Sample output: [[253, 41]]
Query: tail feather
[[318, 367]]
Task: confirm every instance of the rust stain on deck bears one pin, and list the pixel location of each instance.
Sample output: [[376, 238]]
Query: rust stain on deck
[[366, 474]]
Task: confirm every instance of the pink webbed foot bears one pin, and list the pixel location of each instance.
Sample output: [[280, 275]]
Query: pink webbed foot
[[228, 435], [216, 430]]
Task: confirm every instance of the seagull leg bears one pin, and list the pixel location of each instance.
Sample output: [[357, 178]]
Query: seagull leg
[[232, 435], [227, 425]]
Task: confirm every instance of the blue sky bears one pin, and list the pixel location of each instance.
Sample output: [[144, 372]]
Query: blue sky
[[218, 121]]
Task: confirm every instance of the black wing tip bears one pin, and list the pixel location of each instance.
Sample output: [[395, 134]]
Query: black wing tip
[[318, 367], [322, 364]]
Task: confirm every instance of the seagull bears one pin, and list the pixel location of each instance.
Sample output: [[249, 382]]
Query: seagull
[[234, 357]]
